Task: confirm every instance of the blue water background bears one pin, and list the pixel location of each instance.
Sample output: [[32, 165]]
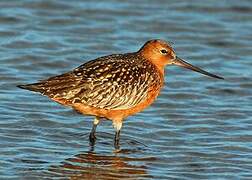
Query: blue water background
[[199, 128]]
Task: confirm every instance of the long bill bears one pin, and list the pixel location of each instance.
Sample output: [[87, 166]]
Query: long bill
[[184, 64]]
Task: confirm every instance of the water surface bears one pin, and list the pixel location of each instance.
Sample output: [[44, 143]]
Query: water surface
[[199, 127]]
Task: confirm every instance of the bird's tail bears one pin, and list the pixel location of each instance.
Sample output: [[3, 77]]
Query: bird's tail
[[32, 87]]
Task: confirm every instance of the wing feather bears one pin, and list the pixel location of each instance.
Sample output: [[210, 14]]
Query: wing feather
[[111, 82]]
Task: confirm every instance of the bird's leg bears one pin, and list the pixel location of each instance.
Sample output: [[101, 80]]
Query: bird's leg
[[117, 126], [116, 140], [92, 137]]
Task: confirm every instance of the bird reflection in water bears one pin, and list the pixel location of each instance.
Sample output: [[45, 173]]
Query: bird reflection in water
[[94, 166]]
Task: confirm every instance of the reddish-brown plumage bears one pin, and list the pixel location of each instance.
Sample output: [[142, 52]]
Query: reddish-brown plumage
[[115, 86]]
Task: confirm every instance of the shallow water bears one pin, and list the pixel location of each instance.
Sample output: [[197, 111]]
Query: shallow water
[[199, 128]]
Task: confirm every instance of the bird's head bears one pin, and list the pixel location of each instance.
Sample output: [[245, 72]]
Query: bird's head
[[161, 54]]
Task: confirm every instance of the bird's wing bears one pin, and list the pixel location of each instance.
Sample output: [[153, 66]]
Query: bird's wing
[[121, 86], [112, 82]]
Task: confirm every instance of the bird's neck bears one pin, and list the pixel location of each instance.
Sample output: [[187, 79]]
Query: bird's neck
[[155, 60]]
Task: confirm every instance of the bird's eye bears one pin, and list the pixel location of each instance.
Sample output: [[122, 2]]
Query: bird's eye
[[164, 51]]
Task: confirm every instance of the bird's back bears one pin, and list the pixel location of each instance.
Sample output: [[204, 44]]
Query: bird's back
[[111, 82]]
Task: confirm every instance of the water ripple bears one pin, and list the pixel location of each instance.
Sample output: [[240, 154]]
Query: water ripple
[[198, 128]]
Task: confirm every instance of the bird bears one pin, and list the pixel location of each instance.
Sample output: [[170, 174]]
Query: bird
[[115, 86]]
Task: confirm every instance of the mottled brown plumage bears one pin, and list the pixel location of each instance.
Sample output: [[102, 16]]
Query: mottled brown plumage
[[110, 82], [114, 86]]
